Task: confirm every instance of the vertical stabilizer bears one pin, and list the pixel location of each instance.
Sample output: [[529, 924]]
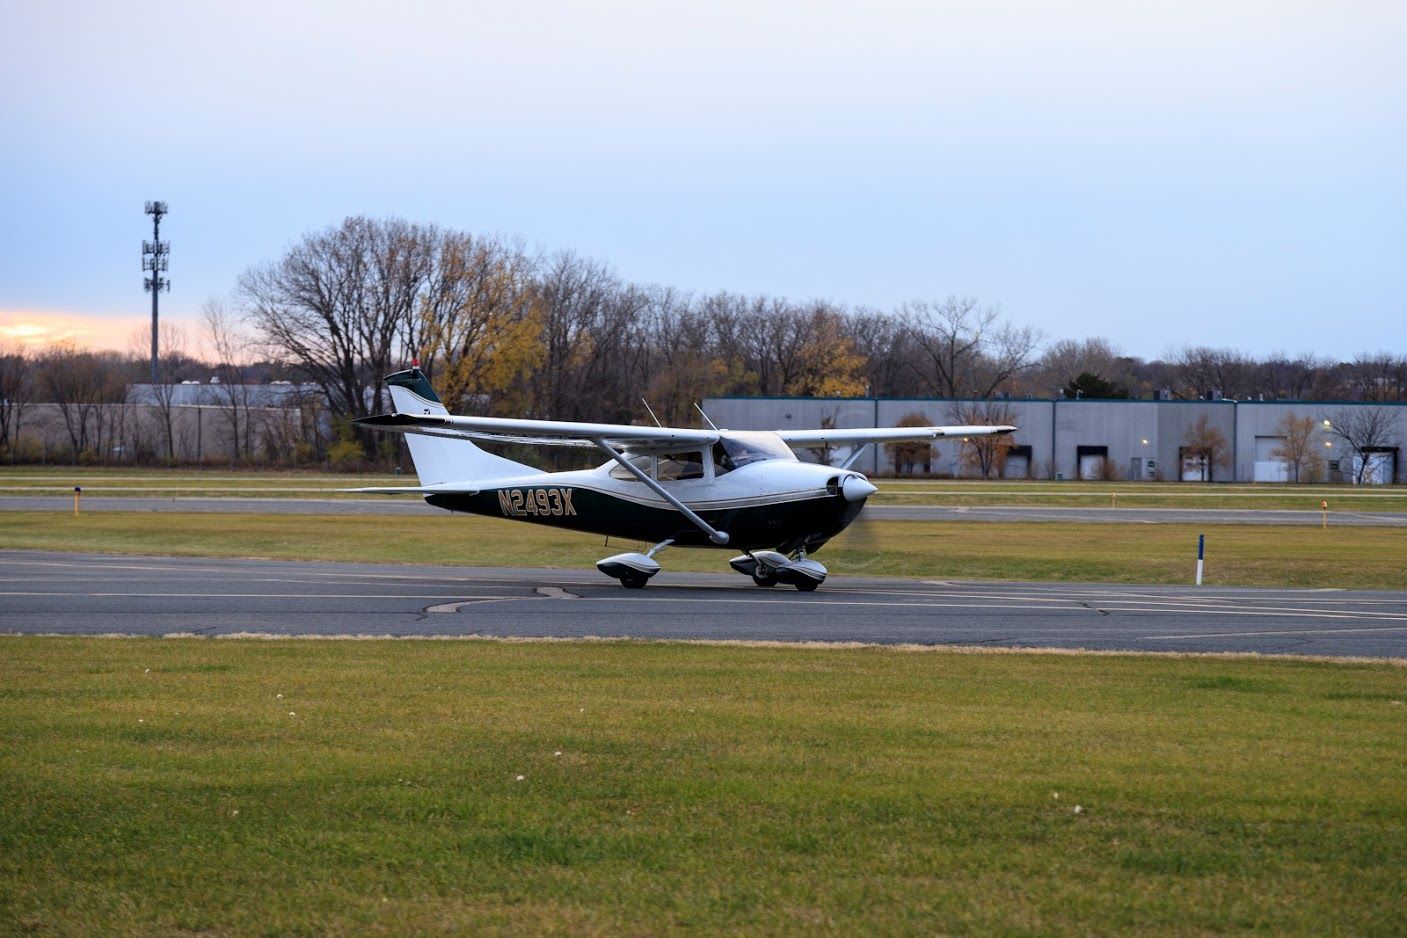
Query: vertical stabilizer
[[439, 459]]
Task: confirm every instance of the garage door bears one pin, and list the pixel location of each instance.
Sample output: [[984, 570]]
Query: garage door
[[1091, 466], [1268, 468], [1195, 469], [1379, 470]]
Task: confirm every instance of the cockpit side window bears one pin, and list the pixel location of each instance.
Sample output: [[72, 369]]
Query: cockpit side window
[[722, 462], [740, 449]]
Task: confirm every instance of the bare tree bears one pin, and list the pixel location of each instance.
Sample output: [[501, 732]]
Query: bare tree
[[1066, 360], [1377, 377], [964, 349], [341, 303], [1368, 431], [684, 365], [593, 354], [1212, 372], [16, 389], [1297, 449], [227, 338], [85, 386], [1205, 448], [171, 364], [984, 454]]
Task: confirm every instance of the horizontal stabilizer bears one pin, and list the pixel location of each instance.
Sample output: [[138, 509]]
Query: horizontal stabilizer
[[446, 489]]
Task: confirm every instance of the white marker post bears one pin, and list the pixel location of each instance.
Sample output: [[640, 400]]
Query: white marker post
[[1201, 555]]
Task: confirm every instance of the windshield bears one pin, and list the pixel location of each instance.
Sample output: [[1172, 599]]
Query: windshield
[[737, 449]]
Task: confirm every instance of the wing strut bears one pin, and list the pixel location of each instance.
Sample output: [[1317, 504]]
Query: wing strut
[[714, 535]]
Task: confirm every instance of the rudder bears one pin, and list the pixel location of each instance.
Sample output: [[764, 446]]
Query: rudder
[[440, 459]]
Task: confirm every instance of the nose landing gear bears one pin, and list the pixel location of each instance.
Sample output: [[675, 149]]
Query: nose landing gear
[[633, 569]]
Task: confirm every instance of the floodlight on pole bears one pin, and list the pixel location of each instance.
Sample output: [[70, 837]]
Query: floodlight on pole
[[156, 257]]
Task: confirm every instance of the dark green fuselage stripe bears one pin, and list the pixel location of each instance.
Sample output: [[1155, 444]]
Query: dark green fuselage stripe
[[812, 521]]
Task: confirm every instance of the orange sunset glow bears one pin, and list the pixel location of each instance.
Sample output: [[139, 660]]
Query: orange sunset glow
[[35, 329]]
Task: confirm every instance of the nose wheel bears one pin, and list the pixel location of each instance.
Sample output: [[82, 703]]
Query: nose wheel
[[769, 567], [633, 569]]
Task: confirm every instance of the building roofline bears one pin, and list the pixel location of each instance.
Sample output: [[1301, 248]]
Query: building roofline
[[1050, 400]]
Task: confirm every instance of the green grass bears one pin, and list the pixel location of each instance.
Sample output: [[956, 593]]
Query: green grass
[[1222, 497], [1245, 555], [161, 786], [191, 482]]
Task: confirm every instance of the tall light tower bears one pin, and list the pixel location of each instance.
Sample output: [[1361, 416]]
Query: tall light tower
[[155, 257]]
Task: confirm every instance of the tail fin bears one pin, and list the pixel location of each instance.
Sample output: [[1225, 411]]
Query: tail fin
[[437, 459]]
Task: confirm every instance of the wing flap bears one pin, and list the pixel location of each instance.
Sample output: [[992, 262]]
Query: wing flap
[[885, 434]]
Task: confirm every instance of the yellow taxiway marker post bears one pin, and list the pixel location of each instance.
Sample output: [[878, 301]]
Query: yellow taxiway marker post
[[77, 493], [1324, 513]]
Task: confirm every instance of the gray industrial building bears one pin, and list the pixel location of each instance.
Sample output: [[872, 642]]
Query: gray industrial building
[[1100, 439]]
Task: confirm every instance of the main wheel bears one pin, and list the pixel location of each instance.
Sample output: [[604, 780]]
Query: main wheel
[[807, 586], [764, 580], [634, 581]]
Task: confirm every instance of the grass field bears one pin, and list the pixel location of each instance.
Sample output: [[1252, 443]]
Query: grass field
[[117, 481], [1245, 555], [218, 787]]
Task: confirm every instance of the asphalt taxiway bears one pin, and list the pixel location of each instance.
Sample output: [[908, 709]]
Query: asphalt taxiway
[[412, 506], [88, 594]]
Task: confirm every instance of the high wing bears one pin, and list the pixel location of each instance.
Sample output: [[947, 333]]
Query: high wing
[[861, 435], [547, 432]]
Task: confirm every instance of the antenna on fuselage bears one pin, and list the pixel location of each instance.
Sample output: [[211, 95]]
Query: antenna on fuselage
[[705, 416], [652, 413]]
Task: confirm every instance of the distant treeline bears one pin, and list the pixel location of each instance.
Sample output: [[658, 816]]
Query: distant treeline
[[504, 330]]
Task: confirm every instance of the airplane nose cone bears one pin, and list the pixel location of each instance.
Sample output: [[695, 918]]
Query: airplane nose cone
[[856, 488]]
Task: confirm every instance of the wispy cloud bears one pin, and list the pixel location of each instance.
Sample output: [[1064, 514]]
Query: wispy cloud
[[38, 329]]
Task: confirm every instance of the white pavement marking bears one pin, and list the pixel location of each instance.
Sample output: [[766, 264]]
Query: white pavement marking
[[1169, 638], [239, 595]]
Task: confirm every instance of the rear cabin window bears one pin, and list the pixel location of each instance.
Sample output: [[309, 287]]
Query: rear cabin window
[[678, 466], [667, 467], [645, 464]]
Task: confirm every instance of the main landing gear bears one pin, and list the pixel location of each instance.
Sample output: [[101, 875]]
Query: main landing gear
[[769, 567], [766, 567]]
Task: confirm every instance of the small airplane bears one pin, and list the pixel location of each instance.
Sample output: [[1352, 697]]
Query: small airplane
[[668, 486]]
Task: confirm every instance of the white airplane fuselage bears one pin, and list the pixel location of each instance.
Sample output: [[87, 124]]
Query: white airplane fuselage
[[771, 503]]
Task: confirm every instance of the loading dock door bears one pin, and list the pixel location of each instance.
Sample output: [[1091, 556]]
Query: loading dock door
[[1382, 466], [1018, 463], [1194, 466], [1267, 467], [1091, 461]]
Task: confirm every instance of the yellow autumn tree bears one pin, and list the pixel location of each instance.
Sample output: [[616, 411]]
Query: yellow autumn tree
[[481, 325], [829, 364]]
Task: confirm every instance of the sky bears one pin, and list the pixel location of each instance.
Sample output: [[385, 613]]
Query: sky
[[1158, 174]]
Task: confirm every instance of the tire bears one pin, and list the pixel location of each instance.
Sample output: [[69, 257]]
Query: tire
[[634, 581], [807, 586], [764, 580]]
